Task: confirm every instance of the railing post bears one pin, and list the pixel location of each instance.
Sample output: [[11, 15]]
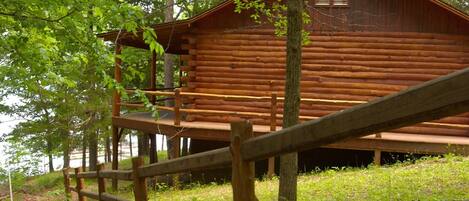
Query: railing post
[[377, 157], [80, 184], [177, 106], [242, 178], [140, 184], [101, 181], [273, 127], [66, 181]]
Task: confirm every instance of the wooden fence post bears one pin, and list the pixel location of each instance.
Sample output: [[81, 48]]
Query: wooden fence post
[[177, 106], [66, 181], [377, 157], [80, 184], [140, 184], [273, 127], [242, 178], [101, 181]]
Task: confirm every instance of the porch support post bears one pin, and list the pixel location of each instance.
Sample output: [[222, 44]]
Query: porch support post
[[377, 157], [116, 112], [153, 76]]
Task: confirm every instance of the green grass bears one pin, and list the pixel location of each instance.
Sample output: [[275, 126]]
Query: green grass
[[426, 179]]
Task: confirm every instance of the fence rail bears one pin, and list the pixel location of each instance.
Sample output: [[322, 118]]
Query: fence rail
[[445, 96]]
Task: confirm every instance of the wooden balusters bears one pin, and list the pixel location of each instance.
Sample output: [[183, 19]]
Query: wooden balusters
[[80, 184], [242, 179]]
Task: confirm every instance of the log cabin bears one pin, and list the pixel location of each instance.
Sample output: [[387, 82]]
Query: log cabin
[[232, 67]]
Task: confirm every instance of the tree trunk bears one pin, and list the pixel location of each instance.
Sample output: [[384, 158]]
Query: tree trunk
[[153, 151], [168, 58], [93, 150], [130, 145], [66, 150], [108, 149], [163, 140], [291, 109], [143, 144], [185, 146], [49, 155], [83, 154]]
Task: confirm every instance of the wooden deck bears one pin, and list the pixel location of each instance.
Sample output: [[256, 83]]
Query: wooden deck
[[391, 142]]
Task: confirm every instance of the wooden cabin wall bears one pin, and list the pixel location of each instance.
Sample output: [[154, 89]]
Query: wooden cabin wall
[[367, 50], [353, 66]]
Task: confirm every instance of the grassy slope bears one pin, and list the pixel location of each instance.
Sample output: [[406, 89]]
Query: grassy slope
[[430, 179]]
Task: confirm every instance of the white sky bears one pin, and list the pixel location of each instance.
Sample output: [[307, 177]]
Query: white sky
[[7, 123]]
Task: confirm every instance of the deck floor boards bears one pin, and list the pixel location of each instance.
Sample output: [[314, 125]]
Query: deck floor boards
[[417, 139]]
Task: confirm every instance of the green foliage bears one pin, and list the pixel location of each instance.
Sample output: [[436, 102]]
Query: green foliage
[[61, 73], [462, 5], [273, 13]]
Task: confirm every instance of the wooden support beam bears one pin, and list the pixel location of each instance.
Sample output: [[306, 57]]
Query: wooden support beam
[[442, 97], [80, 184], [101, 181], [118, 77], [242, 177], [140, 183], [175, 152], [115, 153], [377, 157]]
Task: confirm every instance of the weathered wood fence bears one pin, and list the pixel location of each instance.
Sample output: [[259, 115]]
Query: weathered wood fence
[[445, 96]]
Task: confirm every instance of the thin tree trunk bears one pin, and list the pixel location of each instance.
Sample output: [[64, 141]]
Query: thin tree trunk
[[143, 144], [130, 145], [289, 162], [140, 144], [185, 146], [146, 144], [49, 155], [93, 150], [66, 149], [168, 58], [83, 154], [108, 149], [153, 152], [163, 140]]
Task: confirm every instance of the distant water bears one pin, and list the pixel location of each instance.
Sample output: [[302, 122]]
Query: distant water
[[76, 155]]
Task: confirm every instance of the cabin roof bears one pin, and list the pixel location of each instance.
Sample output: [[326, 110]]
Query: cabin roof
[[170, 33]]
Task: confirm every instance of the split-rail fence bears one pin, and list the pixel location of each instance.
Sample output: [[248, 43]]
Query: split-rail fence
[[442, 97]]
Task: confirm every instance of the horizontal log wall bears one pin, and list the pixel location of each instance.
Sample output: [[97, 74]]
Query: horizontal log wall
[[336, 66]]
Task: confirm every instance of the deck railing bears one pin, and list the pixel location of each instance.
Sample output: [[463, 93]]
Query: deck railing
[[178, 96], [445, 96]]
